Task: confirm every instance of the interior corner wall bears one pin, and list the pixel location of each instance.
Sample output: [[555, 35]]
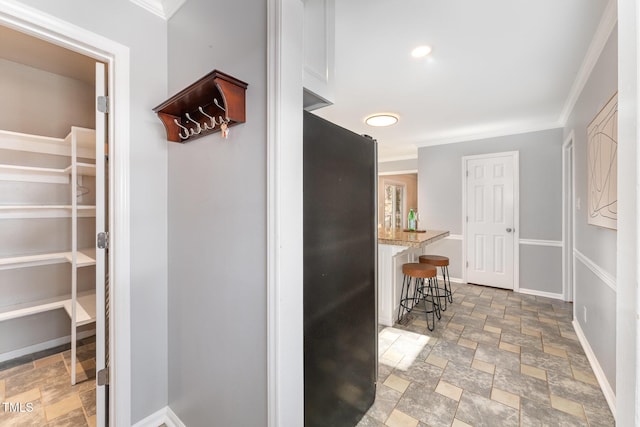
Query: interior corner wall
[[217, 225], [67, 102], [597, 245], [146, 37], [440, 201]]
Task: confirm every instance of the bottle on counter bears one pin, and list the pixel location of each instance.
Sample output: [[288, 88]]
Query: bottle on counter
[[412, 220]]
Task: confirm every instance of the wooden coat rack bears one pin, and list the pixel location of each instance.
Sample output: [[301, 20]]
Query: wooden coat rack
[[212, 104]]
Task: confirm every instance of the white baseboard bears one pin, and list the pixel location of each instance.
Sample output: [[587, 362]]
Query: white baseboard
[[173, 420], [608, 392], [162, 416], [43, 346], [541, 293], [453, 279]]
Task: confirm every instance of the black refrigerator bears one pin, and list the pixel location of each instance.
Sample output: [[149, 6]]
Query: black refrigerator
[[340, 281]]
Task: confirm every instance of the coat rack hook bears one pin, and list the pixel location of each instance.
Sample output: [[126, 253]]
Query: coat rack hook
[[186, 130], [213, 119], [217, 101], [199, 128]]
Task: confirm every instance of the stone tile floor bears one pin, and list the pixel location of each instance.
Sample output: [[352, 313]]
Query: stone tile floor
[[496, 358], [43, 380]]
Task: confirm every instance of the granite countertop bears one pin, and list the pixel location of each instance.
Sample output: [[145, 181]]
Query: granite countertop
[[397, 237]]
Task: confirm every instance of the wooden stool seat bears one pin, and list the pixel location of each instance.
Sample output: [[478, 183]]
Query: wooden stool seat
[[418, 270], [437, 260], [419, 292], [443, 263]]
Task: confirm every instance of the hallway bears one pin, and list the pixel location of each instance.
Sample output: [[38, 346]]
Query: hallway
[[496, 358]]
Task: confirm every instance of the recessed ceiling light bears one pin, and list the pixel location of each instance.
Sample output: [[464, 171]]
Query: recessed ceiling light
[[380, 120], [421, 51]]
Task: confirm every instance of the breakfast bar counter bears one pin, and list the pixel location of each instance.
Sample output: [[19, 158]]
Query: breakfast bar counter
[[397, 247]]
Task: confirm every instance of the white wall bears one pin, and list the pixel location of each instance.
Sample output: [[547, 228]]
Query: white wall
[[627, 376], [217, 226], [146, 36], [597, 244]]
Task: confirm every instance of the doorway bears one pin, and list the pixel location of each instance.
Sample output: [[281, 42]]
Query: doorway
[[397, 194], [394, 205], [491, 219], [63, 178]]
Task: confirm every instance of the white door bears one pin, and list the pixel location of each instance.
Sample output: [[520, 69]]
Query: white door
[[101, 293], [490, 239]]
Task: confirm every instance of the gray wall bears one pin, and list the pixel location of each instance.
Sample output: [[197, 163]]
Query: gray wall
[[596, 243], [440, 198], [398, 166], [32, 91], [217, 226], [146, 36]]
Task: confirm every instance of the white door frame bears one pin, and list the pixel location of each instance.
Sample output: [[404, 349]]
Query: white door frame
[[515, 155], [568, 218], [51, 29], [285, 328]]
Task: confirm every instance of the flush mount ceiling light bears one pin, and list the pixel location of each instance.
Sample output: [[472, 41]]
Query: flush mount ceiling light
[[421, 51], [380, 120]]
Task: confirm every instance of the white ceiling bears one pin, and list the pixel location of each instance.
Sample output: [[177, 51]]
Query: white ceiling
[[498, 66]]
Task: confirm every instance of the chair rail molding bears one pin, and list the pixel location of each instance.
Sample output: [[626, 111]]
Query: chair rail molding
[[603, 275], [540, 242]]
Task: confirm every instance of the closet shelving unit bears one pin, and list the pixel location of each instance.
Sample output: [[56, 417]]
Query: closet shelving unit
[[79, 144]]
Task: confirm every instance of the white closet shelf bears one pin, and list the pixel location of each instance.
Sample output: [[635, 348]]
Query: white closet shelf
[[44, 211], [85, 257], [85, 309], [27, 309], [86, 169], [33, 174], [45, 175], [47, 145]]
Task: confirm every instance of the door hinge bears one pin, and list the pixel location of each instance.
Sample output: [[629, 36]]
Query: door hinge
[[103, 377], [103, 104], [467, 173], [467, 264], [467, 218], [103, 240]]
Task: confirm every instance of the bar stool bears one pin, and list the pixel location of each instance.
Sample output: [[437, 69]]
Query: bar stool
[[443, 263], [416, 291]]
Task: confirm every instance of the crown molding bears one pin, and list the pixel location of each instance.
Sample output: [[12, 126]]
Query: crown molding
[[494, 133], [162, 8], [600, 38]]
